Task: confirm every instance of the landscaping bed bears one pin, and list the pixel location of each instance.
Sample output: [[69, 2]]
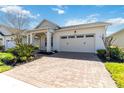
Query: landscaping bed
[[15, 56], [23, 53], [4, 58], [117, 72], [113, 58]]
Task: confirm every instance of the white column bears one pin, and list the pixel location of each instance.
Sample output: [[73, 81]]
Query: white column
[[48, 41], [27, 39], [31, 38]]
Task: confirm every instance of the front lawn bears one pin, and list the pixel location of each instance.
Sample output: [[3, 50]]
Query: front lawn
[[4, 67], [117, 72]]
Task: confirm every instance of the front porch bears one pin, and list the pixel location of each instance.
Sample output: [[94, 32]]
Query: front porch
[[42, 38]]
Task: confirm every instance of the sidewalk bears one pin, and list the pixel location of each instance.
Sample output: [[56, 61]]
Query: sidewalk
[[8, 82]]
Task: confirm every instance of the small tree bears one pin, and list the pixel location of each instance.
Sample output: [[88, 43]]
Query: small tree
[[108, 42], [19, 22]]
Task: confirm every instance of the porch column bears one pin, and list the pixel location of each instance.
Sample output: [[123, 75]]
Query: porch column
[[31, 38], [48, 41], [27, 39]]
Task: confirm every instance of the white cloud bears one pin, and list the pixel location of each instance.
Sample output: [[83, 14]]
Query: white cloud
[[116, 21], [89, 19], [17, 9], [38, 15], [59, 11]]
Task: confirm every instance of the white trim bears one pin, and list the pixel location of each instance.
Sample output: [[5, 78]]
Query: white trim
[[49, 41], [82, 26]]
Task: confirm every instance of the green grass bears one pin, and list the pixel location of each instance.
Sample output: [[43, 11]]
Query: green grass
[[4, 67], [117, 72]]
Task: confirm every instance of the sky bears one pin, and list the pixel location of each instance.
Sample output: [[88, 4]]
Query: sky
[[72, 14]]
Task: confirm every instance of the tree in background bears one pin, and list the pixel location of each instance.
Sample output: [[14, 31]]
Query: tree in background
[[18, 18]]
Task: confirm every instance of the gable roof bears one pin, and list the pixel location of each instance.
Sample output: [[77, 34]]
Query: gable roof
[[42, 23]]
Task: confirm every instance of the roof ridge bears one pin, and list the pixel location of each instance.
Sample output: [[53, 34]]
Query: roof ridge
[[47, 21]]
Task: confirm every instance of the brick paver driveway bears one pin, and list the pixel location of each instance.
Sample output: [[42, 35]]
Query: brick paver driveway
[[64, 70]]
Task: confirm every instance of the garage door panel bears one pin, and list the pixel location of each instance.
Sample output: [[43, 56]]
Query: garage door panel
[[80, 43]]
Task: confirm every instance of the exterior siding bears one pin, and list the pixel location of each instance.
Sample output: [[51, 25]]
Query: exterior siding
[[118, 39], [98, 31]]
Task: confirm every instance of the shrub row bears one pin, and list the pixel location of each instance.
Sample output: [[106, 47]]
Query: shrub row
[[18, 54], [112, 53]]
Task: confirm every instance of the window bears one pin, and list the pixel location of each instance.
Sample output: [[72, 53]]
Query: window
[[89, 35], [80, 36], [63, 37], [71, 36]]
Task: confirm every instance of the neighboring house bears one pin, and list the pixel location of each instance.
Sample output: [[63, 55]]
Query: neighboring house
[[6, 37], [118, 38], [77, 38]]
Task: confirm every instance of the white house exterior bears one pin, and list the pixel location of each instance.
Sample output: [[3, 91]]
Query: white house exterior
[[77, 38]]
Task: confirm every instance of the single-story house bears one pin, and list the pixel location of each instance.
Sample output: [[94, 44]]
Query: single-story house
[[76, 38], [6, 36], [118, 38]]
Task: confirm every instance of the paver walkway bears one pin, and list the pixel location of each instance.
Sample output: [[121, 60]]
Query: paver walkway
[[64, 70]]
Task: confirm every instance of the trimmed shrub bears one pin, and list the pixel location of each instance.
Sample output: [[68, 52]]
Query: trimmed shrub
[[23, 51], [116, 53], [101, 52], [7, 58], [13, 51], [121, 56], [23, 59]]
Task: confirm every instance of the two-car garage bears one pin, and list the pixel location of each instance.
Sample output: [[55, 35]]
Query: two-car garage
[[80, 38], [78, 43]]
